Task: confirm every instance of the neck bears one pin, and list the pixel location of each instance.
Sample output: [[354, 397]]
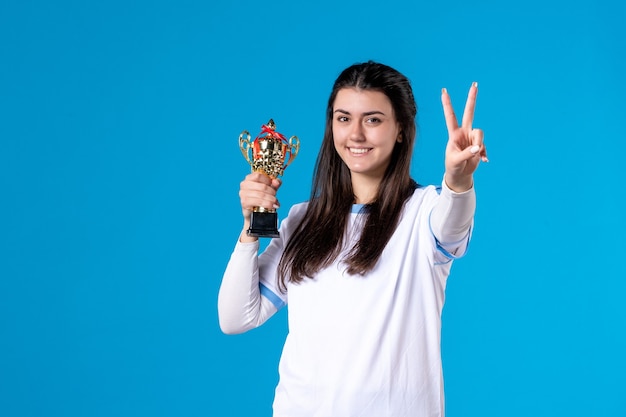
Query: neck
[[365, 188]]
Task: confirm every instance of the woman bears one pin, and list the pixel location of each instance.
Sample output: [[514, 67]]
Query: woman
[[363, 264]]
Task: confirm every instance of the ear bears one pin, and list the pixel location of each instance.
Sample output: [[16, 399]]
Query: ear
[[400, 136]]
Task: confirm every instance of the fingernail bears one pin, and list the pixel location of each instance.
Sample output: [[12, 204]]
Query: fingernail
[[443, 90], [474, 149], [475, 84], [276, 206]]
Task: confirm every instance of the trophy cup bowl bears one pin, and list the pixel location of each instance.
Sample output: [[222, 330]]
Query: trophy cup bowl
[[269, 153]]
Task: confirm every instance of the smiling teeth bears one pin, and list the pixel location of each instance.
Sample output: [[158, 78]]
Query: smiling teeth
[[359, 150]]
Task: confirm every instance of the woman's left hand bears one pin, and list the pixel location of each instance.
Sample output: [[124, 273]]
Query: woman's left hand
[[465, 148]]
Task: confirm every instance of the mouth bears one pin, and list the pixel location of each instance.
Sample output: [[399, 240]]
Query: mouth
[[359, 151]]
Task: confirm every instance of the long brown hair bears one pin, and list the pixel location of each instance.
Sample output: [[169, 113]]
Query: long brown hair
[[318, 239]]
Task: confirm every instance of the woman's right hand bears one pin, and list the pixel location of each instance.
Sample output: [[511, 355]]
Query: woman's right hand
[[258, 190]]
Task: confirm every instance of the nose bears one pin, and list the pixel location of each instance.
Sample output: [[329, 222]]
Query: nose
[[356, 132]]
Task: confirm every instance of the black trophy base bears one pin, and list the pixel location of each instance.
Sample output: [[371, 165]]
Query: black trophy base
[[263, 224]]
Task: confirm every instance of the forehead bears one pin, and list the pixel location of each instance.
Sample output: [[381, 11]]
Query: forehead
[[358, 100]]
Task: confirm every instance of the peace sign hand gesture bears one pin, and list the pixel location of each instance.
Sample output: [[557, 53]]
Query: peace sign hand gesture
[[465, 148]]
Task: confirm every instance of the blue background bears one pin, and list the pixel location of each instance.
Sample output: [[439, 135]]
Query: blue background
[[119, 174]]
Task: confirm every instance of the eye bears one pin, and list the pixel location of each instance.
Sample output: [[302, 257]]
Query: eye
[[373, 120], [342, 119]]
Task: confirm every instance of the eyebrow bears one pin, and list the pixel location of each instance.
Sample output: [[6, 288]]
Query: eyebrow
[[367, 113]]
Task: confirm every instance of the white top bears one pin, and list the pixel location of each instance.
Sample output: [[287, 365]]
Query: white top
[[358, 345]]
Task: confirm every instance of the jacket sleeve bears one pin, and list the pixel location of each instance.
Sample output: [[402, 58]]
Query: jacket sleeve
[[240, 304], [451, 220]]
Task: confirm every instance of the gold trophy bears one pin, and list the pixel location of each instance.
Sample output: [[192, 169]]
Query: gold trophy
[[269, 153]]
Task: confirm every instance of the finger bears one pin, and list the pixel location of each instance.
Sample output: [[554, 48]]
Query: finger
[[253, 198], [260, 177], [470, 105], [483, 154], [477, 137], [258, 190], [478, 143], [276, 183], [448, 111]]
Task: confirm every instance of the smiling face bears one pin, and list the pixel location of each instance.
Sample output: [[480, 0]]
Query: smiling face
[[365, 131]]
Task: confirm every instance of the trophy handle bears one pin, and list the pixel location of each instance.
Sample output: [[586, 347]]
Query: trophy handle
[[245, 145], [293, 148]]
